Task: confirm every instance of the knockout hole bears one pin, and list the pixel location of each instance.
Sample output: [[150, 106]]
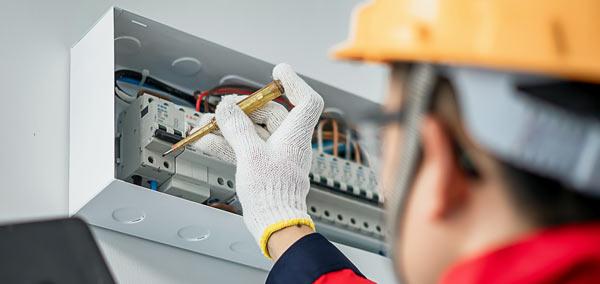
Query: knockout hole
[[151, 160], [166, 164], [220, 181]]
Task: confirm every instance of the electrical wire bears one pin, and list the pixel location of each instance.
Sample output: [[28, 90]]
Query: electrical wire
[[334, 134], [147, 82], [357, 154], [199, 101], [348, 142], [333, 111], [320, 136], [351, 146], [153, 185], [124, 96], [202, 103], [366, 158], [336, 138], [328, 135]]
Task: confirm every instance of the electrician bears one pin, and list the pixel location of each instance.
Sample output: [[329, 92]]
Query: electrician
[[491, 143]]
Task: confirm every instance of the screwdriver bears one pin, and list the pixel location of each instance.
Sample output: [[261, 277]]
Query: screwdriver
[[248, 105]]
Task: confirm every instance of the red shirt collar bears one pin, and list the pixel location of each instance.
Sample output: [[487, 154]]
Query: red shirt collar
[[568, 253]]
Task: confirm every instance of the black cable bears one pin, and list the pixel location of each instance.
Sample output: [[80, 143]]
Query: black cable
[[155, 84]]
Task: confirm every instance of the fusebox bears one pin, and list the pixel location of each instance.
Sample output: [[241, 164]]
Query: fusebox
[[138, 86]]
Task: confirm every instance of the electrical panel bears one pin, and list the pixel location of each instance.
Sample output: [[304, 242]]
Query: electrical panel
[[343, 199], [138, 86]]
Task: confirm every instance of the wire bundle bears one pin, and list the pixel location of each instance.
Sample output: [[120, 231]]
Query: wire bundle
[[206, 101], [145, 83], [335, 136]]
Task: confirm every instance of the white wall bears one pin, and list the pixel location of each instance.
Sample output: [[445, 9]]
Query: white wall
[[35, 37]]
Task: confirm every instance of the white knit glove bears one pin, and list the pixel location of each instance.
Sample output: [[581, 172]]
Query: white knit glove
[[272, 175], [213, 144]]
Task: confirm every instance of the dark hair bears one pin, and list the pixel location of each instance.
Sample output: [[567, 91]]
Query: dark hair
[[546, 201]]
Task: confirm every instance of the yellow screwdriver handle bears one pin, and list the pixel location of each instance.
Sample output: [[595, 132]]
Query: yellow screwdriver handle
[[248, 105]]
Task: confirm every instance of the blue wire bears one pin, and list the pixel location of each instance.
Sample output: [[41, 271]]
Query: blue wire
[[328, 147], [137, 82], [128, 80], [153, 185]]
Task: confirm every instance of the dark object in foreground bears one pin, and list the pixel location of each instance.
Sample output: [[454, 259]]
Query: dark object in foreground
[[55, 251]]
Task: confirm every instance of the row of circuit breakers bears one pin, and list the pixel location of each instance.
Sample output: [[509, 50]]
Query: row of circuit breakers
[[343, 198]]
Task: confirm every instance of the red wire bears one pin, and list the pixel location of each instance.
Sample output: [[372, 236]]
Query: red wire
[[284, 102], [225, 91], [199, 99], [198, 103], [222, 91]]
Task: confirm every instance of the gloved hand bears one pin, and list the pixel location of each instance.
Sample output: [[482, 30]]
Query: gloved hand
[[272, 175], [213, 144]]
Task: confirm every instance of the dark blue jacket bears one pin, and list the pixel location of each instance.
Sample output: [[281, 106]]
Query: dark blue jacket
[[313, 259]]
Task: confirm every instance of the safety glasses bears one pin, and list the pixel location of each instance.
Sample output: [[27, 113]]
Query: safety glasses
[[392, 134]]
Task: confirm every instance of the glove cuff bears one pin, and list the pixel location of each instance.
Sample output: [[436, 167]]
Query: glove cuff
[[269, 230]]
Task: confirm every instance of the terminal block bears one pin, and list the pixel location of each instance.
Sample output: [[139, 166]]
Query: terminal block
[[345, 177]]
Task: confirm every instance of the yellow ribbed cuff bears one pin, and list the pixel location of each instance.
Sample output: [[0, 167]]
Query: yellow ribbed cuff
[[264, 239]]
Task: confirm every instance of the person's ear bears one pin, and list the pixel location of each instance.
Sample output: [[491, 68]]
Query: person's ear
[[447, 182]]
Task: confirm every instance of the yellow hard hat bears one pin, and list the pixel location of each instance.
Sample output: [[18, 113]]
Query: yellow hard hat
[[553, 37]]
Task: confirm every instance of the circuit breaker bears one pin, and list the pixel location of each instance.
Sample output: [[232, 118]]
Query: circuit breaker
[[343, 199], [145, 130]]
